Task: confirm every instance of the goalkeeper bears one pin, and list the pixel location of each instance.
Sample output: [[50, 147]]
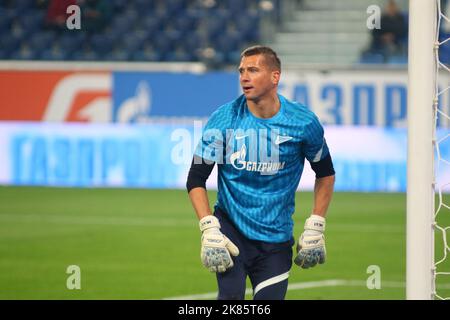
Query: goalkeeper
[[250, 231]]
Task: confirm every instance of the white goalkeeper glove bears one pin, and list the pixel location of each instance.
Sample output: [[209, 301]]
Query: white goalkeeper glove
[[311, 244], [216, 247]]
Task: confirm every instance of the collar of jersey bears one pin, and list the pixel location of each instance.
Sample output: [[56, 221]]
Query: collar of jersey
[[274, 117]]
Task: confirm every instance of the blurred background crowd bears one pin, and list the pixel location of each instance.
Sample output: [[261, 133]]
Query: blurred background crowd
[[211, 31]]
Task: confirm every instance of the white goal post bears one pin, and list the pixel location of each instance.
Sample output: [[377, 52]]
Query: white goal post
[[421, 134]]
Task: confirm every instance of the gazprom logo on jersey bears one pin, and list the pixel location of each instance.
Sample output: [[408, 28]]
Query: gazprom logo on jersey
[[250, 150], [237, 160]]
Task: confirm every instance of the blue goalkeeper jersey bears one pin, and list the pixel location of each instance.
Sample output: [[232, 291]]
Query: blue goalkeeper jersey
[[260, 162]]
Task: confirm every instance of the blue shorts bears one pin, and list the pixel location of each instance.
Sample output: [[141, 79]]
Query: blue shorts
[[266, 264]]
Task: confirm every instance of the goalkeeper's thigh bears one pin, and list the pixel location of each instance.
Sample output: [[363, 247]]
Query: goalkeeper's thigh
[[231, 283], [270, 271], [275, 291]]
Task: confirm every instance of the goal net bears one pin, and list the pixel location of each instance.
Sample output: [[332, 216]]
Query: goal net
[[441, 269]]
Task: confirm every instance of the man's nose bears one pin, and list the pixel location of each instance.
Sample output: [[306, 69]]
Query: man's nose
[[244, 77]]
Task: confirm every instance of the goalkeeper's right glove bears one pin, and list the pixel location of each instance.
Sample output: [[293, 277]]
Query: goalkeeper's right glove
[[216, 247], [311, 245]]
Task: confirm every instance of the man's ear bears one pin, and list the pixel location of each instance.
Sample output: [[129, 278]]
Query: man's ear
[[276, 77]]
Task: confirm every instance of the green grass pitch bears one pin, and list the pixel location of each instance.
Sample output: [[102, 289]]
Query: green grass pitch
[[145, 244]]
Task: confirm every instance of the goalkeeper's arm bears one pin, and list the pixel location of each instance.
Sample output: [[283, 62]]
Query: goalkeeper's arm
[[216, 247], [311, 244], [196, 186]]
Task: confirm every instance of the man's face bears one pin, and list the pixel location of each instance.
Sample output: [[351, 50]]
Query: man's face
[[391, 9], [256, 77]]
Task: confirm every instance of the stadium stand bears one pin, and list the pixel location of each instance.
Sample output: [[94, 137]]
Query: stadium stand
[[390, 39], [135, 30], [210, 31], [328, 32]]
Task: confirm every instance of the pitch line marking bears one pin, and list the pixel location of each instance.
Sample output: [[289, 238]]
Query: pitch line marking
[[306, 285]]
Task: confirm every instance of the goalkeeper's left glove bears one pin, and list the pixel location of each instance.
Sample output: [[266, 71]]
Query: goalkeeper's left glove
[[217, 249], [311, 244]]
